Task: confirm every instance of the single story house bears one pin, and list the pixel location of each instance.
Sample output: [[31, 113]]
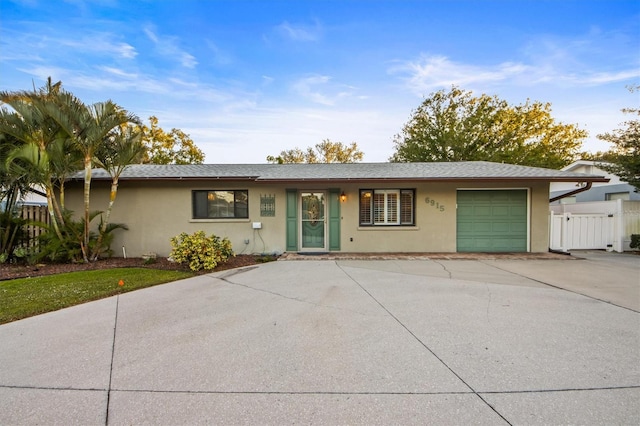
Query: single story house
[[359, 207], [614, 189]]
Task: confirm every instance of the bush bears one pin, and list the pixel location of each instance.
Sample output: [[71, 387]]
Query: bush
[[199, 251], [12, 235], [635, 241], [53, 248]]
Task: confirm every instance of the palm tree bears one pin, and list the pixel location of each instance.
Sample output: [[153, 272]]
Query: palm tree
[[37, 132], [64, 161], [121, 149], [89, 126], [12, 187]]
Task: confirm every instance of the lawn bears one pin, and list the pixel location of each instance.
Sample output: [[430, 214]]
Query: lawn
[[25, 297]]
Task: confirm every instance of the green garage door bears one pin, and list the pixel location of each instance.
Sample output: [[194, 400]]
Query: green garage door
[[492, 221]]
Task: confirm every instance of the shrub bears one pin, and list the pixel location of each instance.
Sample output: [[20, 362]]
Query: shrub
[[69, 248], [635, 241], [12, 235], [199, 251]]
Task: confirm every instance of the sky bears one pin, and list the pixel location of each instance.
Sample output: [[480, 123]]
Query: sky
[[248, 79]]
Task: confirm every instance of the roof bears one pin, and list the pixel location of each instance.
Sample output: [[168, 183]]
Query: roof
[[577, 164], [338, 172]]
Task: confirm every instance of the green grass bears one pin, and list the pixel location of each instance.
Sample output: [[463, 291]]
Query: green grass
[[25, 297]]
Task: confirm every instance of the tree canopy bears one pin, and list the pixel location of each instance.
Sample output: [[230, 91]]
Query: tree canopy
[[624, 157], [49, 134], [174, 147], [454, 125], [323, 152]]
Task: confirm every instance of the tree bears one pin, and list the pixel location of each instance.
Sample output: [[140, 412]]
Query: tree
[[456, 126], [13, 186], [50, 135], [625, 155], [38, 134], [89, 126], [175, 147], [599, 156], [121, 148], [324, 152]]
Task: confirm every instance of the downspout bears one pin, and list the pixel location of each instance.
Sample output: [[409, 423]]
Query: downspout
[[569, 194]]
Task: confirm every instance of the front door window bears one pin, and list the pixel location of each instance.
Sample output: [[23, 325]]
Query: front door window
[[313, 220]]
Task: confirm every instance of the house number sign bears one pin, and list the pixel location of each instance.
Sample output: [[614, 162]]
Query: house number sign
[[430, 201]]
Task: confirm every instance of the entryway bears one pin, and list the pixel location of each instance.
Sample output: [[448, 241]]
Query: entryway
[[313, 229], [313, 220]]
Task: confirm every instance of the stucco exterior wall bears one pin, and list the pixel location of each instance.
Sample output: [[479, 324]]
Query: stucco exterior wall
[[156, 211], [435, 229]]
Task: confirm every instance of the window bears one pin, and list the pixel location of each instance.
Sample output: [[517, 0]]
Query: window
[[220, 204], [386, 207], [616, 196]]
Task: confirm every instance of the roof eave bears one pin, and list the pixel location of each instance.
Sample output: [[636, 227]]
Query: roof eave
[[168, 178], [372, 180], [439, 179]]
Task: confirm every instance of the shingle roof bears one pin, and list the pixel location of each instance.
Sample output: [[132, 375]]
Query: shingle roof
[[468, 170]]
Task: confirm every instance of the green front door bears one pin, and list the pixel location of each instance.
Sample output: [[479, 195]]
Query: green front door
[[313, 221], [492, 221]]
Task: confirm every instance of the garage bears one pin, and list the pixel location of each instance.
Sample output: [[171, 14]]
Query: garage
[[492, 221]]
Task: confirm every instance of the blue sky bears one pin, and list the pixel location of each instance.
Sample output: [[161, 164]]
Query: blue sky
[[247, 79]]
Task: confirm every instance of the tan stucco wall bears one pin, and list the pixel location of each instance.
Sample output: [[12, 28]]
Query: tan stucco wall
[[157, 211], [435, 230]]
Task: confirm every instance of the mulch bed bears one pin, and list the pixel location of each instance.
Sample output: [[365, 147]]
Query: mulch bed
[[11, 271]]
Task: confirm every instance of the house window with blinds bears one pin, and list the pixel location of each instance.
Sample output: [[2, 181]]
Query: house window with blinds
[[387, 207], [217, 204]]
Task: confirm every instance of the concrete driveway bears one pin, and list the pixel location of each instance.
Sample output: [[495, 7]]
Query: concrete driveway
[[342, 342]]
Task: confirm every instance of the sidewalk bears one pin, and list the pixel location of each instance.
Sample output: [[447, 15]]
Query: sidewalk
[[336, 342]]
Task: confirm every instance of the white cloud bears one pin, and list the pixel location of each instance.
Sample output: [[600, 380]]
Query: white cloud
[[300, 32], [318, 89], [188, 60], [226, 138], [183, 83], [105, 78], [432, 72], [220, 57], [119, 72], [307, 88], [27, 45], [610, 77], [267, 80], [169, 47], [127, 51], [96, 43], [152, 36]]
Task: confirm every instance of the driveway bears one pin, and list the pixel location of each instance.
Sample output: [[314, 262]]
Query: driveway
[[491, 341]]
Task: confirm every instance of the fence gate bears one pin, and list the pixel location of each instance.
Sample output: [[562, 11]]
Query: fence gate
[[581, 231]]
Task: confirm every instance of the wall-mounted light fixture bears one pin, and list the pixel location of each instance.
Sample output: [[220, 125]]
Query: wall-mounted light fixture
[[343, 197]]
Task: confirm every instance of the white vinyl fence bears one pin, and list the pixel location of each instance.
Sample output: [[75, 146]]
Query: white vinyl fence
[[605, 225]]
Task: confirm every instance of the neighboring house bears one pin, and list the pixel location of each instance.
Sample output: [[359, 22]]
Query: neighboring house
[[359, 207], [600, 216], [35, 198], [615, 189]]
